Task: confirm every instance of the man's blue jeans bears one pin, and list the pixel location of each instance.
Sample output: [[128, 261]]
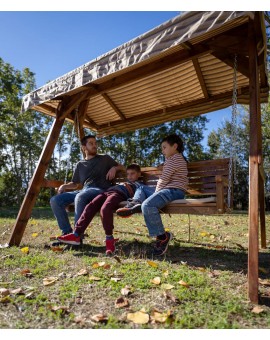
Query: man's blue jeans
[[80, 198], [151, 206]]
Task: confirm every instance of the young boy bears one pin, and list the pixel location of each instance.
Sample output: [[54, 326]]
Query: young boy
[[106, 202]]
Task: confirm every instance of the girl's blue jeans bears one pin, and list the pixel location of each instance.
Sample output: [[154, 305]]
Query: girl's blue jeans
[[151, 206], [80, 198]]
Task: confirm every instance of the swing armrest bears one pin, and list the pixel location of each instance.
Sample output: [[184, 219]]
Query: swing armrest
[[52, 183]]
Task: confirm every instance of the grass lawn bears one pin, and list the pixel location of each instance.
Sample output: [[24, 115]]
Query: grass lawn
[[201, 283]]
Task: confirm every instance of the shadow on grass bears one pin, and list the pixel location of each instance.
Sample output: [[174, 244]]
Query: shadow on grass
[[193, 255]]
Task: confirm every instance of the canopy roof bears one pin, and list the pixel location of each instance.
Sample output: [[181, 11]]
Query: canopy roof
[[182, 68]]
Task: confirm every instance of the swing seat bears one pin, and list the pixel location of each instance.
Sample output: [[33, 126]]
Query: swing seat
[[207, 190]]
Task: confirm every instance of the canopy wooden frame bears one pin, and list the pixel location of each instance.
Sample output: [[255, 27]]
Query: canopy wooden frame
[[245, 36]]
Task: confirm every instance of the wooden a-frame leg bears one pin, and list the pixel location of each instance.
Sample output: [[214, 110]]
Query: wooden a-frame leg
[[35, 184]]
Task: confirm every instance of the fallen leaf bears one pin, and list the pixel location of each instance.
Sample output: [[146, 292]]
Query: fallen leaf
[[138, 317], [165, 273], [25, 250], [18, 291], [94, 278], [34, 234], [167, 286], [152, 264], [121, 302], [48, 281], [204, 234], [257, 310], [82, 272], [156, 280], [159, 317], [62, 309], [126, 290], [99, 318], [26, 272], [183, 283], [29, 295], [4, 292], [57, 249], [98, 264], [116, 279]]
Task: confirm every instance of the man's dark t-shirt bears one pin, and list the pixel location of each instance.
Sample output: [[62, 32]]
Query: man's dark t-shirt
[[92, 172]]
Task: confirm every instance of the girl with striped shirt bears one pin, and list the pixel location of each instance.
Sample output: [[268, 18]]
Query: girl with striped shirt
[[171, 186]]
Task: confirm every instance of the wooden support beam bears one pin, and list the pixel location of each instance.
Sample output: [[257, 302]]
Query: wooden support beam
[[253, 245], [113, 106], [35, 184], [200, 77], [73, 102]]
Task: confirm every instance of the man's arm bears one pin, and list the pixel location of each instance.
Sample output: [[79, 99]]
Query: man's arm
[[68, 186], [112, 172]]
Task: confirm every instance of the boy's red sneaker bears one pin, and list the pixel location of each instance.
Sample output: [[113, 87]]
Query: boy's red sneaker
[[110, 246], [70, 239]]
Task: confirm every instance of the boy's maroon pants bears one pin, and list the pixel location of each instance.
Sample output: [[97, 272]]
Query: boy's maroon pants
[[105, 203]]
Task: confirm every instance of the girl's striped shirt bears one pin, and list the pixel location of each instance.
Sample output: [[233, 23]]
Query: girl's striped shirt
[[174, 174]]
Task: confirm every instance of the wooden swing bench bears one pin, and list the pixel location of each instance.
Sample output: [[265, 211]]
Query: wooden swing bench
[[207, 189]]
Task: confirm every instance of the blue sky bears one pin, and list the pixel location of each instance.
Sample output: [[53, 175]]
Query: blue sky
[[52, 43]]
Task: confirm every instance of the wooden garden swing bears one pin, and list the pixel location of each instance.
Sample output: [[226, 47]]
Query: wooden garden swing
[[179, 69]]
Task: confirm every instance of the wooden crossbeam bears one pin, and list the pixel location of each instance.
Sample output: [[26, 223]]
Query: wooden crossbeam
[[113, 106]]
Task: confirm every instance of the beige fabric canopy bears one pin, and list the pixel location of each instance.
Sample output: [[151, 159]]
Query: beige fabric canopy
[[179, 69]]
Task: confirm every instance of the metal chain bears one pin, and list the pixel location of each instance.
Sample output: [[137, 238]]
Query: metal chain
[[232, 164]]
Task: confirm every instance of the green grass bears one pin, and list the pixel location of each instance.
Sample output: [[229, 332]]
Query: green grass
[[210, 255]]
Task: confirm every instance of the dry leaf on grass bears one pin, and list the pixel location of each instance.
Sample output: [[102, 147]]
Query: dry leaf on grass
[[116, 279], [165, 273], [48, 281], [57, 249], [152, 264], [183, 283], [160, 317], [94, 278], [101, 264], [167, 286], [156, 280], [100, 317], [62, 309], [127, 290], [17, 291], [257, 310], [117, 258], [82, 272], [121, 302], [138, 317], [25, 250], [34, 234], [26, 272]]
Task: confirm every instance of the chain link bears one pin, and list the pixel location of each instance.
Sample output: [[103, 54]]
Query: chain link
[[232, 164]]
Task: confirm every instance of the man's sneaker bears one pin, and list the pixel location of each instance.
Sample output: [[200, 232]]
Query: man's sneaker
[[70, 239], [57, 243], [161, 246], [131, 208], [110, 246]]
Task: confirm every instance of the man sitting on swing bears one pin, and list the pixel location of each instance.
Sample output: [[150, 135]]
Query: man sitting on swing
[[94, 173]]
